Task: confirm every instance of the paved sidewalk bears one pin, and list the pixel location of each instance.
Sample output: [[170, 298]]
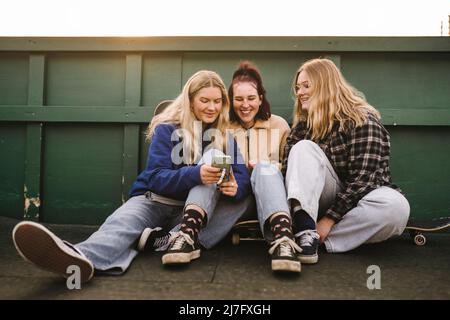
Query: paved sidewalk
[[242, 272]]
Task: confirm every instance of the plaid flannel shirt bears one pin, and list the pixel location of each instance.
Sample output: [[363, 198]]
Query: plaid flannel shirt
[[360, 157]]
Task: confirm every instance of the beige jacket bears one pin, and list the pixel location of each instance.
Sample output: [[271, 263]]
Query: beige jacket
[[265, 141]]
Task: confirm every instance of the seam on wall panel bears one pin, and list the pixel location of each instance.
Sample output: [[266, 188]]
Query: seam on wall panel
[[33, 151], [133, 96], [428, 116]]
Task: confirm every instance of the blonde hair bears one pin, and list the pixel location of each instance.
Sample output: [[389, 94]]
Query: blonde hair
[[332, 99], [180, 113]]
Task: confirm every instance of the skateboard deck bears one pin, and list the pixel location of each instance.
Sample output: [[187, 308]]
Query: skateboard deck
[[250, 230], [246, 230], [417, 228]]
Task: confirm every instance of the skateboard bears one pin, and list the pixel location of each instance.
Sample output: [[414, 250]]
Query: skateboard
[[246, 230], [417, 228]]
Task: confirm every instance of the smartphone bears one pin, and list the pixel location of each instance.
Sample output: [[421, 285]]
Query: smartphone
[[222, 162]]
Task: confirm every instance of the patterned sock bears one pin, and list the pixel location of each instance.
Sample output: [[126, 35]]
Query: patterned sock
[[281, 226], [303, 221], [192, 222]]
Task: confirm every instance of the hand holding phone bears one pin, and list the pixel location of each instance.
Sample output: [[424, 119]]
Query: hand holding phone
[[223, 162], [230, 187]]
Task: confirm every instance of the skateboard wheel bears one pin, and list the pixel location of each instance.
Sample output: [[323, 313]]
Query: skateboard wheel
[[420, 240], [235, 239]]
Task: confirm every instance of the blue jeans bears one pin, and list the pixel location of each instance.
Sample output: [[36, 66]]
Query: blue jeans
[[270, 194], [112, 247], [222, 213]]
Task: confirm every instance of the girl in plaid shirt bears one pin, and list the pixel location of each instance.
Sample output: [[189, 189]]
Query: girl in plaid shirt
[[336, 165]]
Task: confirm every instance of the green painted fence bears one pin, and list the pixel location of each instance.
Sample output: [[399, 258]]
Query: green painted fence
[[73, 110]]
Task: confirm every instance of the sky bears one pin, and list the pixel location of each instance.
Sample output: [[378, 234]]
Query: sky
[[224, 17]]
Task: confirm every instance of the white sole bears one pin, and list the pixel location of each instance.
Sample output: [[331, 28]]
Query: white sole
[[37, 245], [308, 259], [286, 265], [143, 239], [180, 257]]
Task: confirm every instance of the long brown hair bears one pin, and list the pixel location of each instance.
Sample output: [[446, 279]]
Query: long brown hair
[[248, 72]]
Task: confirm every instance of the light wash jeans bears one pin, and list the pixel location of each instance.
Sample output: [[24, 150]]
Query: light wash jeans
[[270, 194], [221, 217], [112, 247], [311, 180], [222, 212]]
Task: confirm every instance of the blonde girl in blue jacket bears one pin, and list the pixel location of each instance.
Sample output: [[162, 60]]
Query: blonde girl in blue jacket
[[178, 185]]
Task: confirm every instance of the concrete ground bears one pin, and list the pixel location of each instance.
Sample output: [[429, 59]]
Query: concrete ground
[[242, 272]]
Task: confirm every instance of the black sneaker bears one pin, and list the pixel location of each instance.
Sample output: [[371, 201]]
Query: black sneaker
[[308, 240], [38, 245], [182, 249], [284, 256], [155, 239]]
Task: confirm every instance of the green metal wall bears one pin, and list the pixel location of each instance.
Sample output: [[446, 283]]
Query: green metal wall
[[73, 110]]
